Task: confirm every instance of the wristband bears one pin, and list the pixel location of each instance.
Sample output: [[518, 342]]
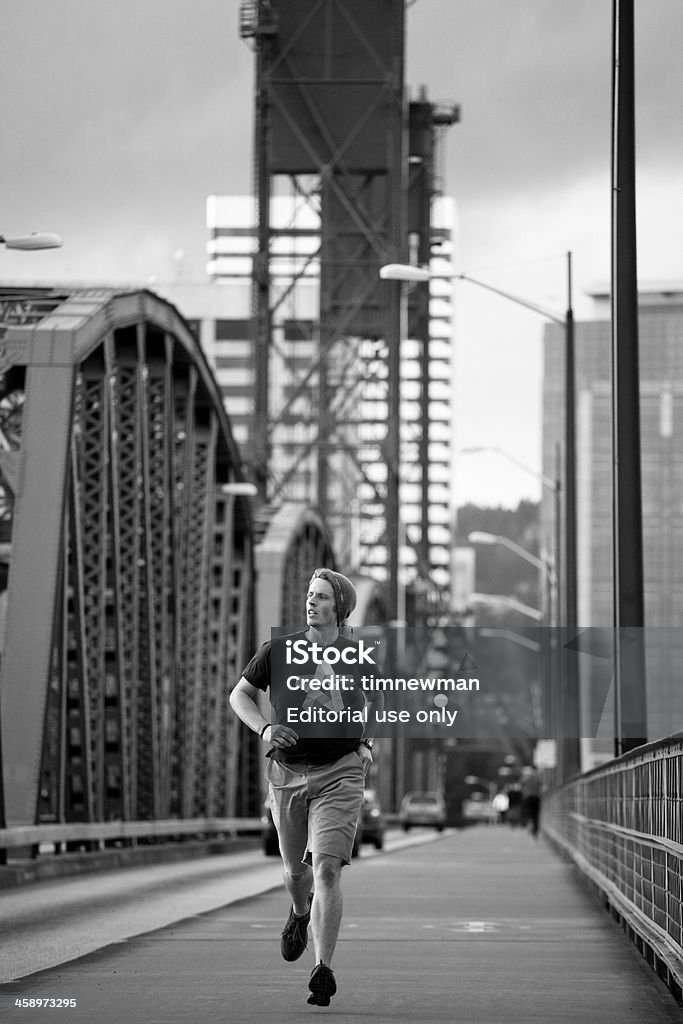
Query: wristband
[[266, 726]]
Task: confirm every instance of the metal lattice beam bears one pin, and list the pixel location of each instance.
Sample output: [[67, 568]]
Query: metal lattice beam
[[130, 587]]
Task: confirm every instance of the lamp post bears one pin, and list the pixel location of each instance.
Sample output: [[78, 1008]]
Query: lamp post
[[570, 702], [407, 272], [547, 481], [506, 601], [481, 537], [630, 704], [392, 442], [555, 487]]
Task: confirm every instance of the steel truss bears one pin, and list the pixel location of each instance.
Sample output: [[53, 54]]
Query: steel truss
[[130, 569]]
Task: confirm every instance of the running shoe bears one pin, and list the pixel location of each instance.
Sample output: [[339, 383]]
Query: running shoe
[[322, 985], [294, 938]]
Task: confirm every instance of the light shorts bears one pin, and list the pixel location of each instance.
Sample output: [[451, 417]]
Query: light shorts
[[316, 808]]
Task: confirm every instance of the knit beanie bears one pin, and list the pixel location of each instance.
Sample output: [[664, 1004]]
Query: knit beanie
[[344, 592]]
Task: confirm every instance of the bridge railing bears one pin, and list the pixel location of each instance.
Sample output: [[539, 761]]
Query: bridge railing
[[29, 853], [622, 825], [100, 832]]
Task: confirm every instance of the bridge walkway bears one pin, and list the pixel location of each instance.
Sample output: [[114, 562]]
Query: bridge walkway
[[482, 926]]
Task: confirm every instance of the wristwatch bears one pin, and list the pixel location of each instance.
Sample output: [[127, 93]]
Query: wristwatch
[[368, 741]]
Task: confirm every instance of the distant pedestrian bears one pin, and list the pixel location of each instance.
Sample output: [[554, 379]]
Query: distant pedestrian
[[501, 802], [316, 774], [531, 799], [514, 814]]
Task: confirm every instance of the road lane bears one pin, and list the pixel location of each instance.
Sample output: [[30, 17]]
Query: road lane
[[51, 922]]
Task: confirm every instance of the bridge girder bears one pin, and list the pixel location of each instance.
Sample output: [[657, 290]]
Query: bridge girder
[[129, 596]]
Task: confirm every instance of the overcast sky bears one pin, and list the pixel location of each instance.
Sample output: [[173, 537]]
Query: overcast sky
[[119, 117]]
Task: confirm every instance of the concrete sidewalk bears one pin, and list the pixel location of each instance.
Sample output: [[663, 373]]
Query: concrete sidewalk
[[485, 926]]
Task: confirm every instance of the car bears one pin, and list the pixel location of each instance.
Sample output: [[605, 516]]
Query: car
[[372, 824], [423, 808], [478, 807]]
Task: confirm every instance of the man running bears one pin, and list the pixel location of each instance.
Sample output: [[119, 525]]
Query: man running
[[320, 739]]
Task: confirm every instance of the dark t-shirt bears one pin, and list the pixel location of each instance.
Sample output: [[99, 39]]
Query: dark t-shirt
[[319, 697]]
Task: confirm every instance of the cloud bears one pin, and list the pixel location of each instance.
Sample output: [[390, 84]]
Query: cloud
[[534, 81], [119, 118], [121, 115]]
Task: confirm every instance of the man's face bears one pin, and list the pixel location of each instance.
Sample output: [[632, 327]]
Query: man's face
[[321, 610]]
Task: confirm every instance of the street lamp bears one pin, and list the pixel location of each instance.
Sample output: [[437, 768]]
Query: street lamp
[[555, 487], [407, 272], [239, 489], [505, 601], [392, 444], [36, 240], [481, 537]]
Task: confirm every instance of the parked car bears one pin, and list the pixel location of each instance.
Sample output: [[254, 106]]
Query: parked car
[[423, 809], [372, 825], [478, 807]]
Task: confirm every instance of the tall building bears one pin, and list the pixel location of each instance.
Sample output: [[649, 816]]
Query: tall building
[[661, 415], [221, 313]]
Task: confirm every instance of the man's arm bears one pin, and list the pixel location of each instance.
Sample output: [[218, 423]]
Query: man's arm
[[243, 701]]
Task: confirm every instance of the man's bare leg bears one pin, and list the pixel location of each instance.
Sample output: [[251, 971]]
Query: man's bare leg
[[299, 887], [326, 912]]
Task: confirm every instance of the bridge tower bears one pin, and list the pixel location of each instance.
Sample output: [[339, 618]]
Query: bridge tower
[[330, 136], [344, 182]]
